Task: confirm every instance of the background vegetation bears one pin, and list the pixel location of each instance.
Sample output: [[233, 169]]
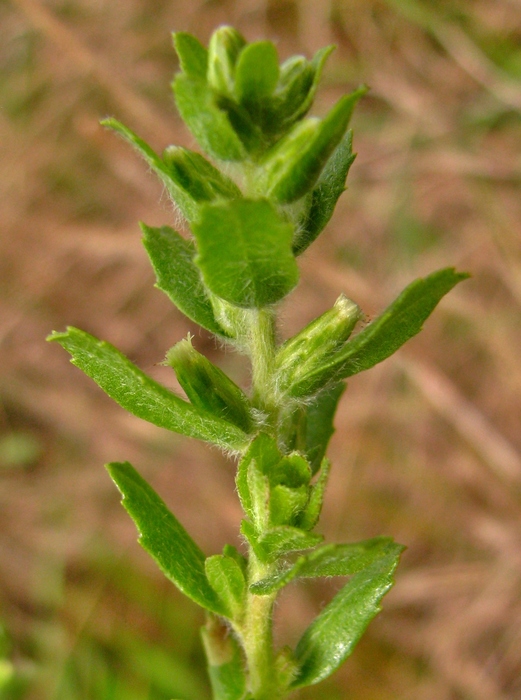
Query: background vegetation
[[428, 445]]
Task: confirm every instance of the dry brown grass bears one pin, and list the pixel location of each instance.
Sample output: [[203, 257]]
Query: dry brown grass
[[428, 445]]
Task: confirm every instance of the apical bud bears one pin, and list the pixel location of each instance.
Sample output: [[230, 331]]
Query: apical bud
[[223, 50], [207, 386], [316, 343]]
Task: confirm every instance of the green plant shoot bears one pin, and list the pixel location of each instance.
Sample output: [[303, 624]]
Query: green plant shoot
[[264, 190]]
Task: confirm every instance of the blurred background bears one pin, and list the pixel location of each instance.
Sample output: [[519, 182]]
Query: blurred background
[[428, 444]]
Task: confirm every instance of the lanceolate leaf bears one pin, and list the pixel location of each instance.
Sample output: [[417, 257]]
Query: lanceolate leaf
[[141, 395], [332, 636], [330, 560], [325, 194], [245, 252], [227, 580], [164, 538], [398, 323], [177, 275]]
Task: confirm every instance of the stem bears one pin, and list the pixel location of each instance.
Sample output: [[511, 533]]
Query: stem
[[262, 352], [257, 638]]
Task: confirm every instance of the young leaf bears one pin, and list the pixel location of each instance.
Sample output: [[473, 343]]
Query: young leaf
[[208, 387], [316, 343], [193, 57], [309, 517], [256, 73], [332, 636], [227, 579], [286, 504], [402, 320], [330, 560], [297, 87], [225, 46], [325, 194], [278, 541], [141, 395], [225, 662], [264, 451], [245, 252], [181, 198], [177, 275], [293, 166], [209, 125], [164, 538], [201, 181]]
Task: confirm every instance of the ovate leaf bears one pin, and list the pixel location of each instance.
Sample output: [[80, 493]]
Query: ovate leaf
[[332, 636], [164, 538], [380, 339], [245, 252], [141, 395], [177, 275]]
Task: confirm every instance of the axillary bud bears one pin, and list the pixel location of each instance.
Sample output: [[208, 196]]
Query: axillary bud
[[313, 346], [207, 386]]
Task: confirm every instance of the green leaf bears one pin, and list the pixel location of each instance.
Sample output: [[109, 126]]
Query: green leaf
[[332, 636], [293, 470], [181, 198], [141, 395], [226, 43], [330, 560], [265, 453], [325, 194], [256, 73], [278, 541], [286, 504], [208, 387], [319, 428], [309, 518], [209, 125], [164, 538], [245, 252], [402, 320], [225, 662], [193, 57], [178, 276], [227, 579], [198, 177], [316, 343], [292, 167], [317, 63]]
